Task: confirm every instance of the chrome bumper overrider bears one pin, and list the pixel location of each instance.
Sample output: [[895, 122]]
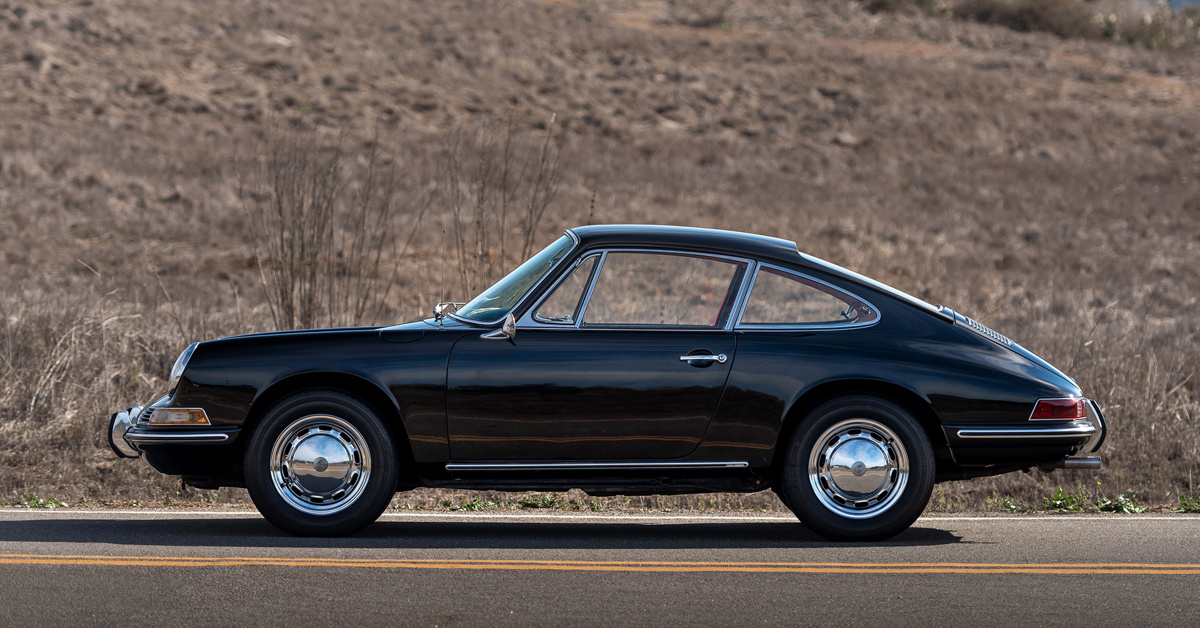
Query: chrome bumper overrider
[[118, 426], [124, 436]]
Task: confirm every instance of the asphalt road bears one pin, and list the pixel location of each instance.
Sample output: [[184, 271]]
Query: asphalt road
[[68, 567]]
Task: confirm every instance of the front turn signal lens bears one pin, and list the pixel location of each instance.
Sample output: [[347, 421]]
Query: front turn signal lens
[[1059, 409], [178, 416]]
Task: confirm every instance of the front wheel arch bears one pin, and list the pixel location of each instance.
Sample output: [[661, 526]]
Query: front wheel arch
[[382, 402]]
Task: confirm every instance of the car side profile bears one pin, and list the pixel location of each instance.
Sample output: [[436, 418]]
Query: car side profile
[[624, 360]]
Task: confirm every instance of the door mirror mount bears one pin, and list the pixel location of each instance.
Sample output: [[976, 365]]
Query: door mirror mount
[[507, 331]]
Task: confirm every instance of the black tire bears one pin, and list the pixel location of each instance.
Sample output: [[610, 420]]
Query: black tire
[[843, 475], [307, 434]]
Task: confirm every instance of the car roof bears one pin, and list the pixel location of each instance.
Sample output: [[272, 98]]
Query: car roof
[[733, 242], [712, 240]]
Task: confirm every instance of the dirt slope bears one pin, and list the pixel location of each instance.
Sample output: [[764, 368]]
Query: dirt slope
[[1047, 187]]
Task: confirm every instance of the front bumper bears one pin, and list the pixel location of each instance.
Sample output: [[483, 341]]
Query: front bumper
[[128, 439]]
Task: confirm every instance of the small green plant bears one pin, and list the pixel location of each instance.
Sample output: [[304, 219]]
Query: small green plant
[[1122, 503], [533, 500], [407, 506], [1189, 504], [476, 503], [1072, 502], [1001, 503], [31, 500]]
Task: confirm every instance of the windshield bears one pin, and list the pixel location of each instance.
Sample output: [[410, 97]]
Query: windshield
[[496, 301]]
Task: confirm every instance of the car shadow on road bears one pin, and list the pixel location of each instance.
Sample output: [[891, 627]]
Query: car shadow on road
[[256, 532]]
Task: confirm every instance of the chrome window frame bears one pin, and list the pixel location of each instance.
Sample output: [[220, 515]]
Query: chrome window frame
[[532, 289], [820, 326], [531, 315], [529, 321]]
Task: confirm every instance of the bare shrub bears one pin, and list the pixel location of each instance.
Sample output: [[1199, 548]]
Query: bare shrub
[[322, 225], [928, 7], [493, 180], [1155, 26], [1065, 18], [699, 13]]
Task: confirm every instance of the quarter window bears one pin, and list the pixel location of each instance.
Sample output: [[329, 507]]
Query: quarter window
[[780, 298], [662, 289], [563, 306]]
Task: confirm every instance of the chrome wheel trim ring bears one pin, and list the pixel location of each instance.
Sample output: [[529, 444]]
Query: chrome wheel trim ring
[[858, 468], [320, 464]]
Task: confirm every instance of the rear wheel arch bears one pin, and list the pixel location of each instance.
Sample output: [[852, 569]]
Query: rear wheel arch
[[916, 405], [382, 402]]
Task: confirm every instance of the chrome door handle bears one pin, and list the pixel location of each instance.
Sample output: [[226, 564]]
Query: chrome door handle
[[720, 358]]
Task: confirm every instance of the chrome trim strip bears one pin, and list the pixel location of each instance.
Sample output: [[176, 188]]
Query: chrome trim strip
[[735, 313], [180, 437], [1084, 429], [583, 466], [802, 326], [587, 296]]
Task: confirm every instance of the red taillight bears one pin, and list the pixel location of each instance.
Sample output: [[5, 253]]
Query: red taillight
[[1059, 409]]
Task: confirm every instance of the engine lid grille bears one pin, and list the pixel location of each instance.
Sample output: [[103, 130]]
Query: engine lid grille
[[986, 332]]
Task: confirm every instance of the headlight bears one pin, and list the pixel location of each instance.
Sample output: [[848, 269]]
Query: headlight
[[180, 365]]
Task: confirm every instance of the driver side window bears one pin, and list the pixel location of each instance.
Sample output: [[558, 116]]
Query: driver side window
[[663, 290]]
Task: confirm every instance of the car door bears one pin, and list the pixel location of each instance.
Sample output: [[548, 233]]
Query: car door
[[625, 358]]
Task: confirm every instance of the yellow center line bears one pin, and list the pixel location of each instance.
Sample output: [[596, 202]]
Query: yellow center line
[[580, 565]]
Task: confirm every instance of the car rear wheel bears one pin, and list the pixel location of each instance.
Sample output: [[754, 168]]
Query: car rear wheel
[[321, 463], [859, 468]]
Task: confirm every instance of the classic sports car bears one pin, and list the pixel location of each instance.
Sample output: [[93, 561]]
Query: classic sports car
[[624, 360]]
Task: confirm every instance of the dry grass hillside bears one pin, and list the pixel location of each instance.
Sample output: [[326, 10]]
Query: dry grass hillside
[[1049, 187]]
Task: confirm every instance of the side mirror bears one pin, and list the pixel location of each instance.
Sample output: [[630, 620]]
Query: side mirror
[[507, 331]]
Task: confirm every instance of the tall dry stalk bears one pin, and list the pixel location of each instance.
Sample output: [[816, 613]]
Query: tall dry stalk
[[323, 226], [487, 174]]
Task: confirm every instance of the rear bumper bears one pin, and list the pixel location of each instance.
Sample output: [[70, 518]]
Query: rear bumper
[[1030, 441]]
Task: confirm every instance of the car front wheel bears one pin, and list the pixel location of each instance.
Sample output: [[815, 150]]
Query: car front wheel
[[859, 468], [321, 463]]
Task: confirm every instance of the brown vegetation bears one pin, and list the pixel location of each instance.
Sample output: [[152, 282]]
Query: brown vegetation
[[1046, 186]]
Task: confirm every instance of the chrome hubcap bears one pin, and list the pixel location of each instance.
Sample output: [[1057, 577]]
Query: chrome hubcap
[[858, 468], [320, 464]]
